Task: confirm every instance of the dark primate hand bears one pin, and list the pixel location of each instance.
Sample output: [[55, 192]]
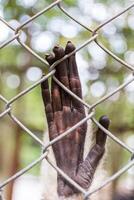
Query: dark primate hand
[[63, 112]]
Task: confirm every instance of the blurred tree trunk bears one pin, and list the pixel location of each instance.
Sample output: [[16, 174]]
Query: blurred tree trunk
[[15, 165], [15, 162]]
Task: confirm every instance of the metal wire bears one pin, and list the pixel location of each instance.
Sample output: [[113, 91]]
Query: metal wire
[[8, 103]]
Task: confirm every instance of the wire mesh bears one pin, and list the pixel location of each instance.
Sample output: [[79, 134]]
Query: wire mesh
[[91, 108]]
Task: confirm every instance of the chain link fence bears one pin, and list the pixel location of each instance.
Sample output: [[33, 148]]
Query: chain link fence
[[91, 108]]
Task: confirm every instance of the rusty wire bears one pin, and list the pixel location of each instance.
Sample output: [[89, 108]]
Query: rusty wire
[[91, 108]]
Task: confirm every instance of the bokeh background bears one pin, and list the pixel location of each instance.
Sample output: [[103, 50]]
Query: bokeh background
[[99, 75]]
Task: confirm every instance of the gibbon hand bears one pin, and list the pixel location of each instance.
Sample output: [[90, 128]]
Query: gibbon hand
[[63, 112]]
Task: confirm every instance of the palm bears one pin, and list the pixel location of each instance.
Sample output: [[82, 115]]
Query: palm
[[74, 142], [63, 112]]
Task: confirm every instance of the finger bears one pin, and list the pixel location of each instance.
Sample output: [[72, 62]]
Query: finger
[[100, 135], [64, 188], [47, 101], [98, 150], [74, 80], [50, 58], [62, 74], [61, 185], [69, 190], [73, 71], [55, 89], [87, 168]]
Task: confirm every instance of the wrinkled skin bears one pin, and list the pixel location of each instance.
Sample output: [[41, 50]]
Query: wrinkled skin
[[64, 111]]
